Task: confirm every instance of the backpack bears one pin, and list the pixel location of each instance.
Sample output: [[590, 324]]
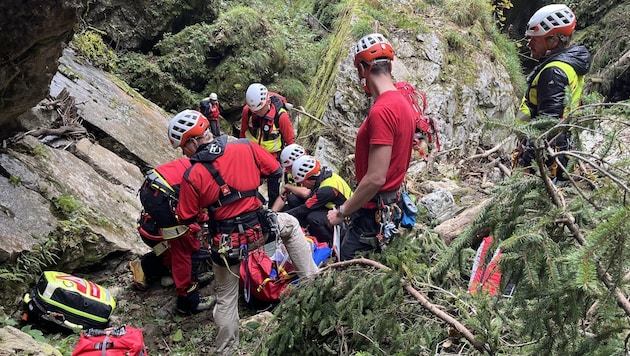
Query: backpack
[[121, 341], [69, 301], [264, 277], [425, 125], [204, 107], [485, 274]]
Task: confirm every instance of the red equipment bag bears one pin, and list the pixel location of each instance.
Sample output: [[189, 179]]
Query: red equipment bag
[[120, 341], [262, 279], [486, 274]]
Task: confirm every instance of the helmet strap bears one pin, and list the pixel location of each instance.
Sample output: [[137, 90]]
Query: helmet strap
[[364, 73]]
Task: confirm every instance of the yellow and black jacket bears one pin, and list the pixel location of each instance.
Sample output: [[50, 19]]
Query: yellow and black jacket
[[545, 95]]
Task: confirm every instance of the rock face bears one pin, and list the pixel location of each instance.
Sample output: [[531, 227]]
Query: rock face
[[101, 173], [32, 34]]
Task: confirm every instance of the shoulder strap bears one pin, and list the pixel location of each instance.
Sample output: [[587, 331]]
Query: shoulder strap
[[227, 194], [279, 106]]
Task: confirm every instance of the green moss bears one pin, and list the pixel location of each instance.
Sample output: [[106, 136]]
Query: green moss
[[159, 86], [89, 44], [327, 11], [69, 72], [40, 151], [66, 206], [468, 13]]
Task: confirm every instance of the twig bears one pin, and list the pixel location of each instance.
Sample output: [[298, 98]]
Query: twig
[[301, 110], [449, 293], [502, 167], [69, 130], [594, 165], [488, 152], [518, 345], [369, 339]]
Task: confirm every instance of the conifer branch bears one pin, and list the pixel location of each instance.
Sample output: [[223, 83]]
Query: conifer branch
[[424, 301], [605, 277]]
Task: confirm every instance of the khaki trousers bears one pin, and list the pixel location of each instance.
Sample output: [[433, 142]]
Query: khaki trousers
[[225, 312]]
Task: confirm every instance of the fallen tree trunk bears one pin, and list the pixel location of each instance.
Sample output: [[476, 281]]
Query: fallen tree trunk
[[63, 130]]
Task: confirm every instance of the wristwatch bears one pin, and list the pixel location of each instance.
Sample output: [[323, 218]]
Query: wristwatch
[[340, 213]]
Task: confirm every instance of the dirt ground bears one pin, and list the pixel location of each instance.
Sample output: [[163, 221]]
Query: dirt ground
[[164, 329]]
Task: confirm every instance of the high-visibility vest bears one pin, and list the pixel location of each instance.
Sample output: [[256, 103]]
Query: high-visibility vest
[[335, 181], [576, 83], [270, 139]]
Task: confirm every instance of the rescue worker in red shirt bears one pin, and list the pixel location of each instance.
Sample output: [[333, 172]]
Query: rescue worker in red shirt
[[224, 177], [382, 152], [561, 67], [183, 241], [266, 122], [209, 107], [327, 190]]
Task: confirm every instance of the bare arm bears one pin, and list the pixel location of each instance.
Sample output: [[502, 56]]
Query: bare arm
[[378, 164], [298, 191]]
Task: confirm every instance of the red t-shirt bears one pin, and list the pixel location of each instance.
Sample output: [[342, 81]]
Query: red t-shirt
[[390, 120], [241, 166]]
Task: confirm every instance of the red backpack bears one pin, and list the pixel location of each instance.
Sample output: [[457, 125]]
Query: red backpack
[[121, 341], [265, 280], [262, 279], [424, 124]]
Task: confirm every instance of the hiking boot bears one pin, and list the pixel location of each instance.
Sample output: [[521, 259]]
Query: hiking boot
[[205, 303], [139, 280], [167, 281], [205, 278]]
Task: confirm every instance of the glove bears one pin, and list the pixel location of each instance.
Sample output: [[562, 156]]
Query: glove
[[194, 228], [203, 217]]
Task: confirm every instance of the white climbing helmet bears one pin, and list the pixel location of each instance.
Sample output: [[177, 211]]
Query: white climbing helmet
[[551, 19], [290, 153], [213, 96], [186, 124], [256, 96], [304, 168]]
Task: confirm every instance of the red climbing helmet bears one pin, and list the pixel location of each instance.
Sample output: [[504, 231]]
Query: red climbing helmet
[[371, 47]]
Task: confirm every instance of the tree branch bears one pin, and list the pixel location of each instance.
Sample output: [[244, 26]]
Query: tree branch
[[426, 304], [63, 130], [556, 196]]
